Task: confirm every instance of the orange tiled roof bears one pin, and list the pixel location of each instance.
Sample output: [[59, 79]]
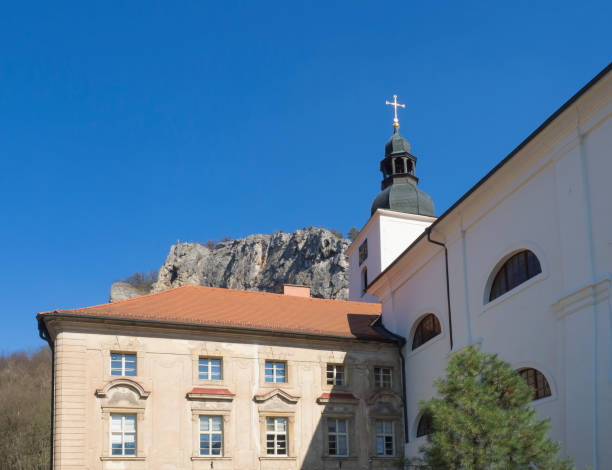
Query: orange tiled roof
[[216, 307]]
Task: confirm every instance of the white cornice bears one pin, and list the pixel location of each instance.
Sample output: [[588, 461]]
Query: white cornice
[[582, 297]]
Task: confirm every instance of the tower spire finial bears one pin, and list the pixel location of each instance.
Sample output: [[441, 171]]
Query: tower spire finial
[[396, 105]]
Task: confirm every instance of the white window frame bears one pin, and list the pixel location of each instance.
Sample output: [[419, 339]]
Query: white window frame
[[379, 377], [384, 435], [123, 433], [122, 371], [275, 374], [275, 433], [337, 434], [210, 433], [208, 371], [336, 371]]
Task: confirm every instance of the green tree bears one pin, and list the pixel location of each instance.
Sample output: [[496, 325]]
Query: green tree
[[352, 234], [483, 420], [25, 406]]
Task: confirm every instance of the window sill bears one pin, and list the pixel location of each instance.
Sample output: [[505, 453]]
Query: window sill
[[216, 383], [278, 457], [339, 457], [336, 388], [512, 292], [123, 458], [426, 345], [210, 457], [280, 385]]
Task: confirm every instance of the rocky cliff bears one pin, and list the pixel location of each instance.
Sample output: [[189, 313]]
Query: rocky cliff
[[313, 257]]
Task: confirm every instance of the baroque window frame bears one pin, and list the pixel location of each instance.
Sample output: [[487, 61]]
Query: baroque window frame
[[226, 444], [290, 416]]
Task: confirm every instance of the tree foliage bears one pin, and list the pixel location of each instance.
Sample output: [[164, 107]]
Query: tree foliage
[[25, 387], [352, 234], [337, 233], [483, 420], [142, 280]]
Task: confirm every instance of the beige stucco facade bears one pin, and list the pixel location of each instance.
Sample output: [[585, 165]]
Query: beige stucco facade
[[167, 414]]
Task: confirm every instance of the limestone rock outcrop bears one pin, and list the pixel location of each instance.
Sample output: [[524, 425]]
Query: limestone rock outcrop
[[313, 257], [122, 290]]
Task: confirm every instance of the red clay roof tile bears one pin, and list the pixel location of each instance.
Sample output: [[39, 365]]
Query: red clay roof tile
[[216, 307], [337, 396]]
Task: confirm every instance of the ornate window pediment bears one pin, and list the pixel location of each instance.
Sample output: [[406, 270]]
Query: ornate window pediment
[[123, 387], [277, 393]]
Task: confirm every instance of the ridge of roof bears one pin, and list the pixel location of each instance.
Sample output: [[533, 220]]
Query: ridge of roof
[[221, 289]]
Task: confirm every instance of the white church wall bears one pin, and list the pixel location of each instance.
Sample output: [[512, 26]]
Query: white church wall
[[371, 233], [599, 166], [388, 234], [398, 231], [552, 198]]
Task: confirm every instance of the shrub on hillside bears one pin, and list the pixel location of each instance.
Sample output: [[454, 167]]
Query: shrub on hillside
[[25, 405], [142, 280]]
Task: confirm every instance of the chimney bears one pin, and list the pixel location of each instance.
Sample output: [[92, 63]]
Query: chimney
[[296, 291]]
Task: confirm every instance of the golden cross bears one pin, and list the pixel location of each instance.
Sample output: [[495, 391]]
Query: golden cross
[[396, 105]]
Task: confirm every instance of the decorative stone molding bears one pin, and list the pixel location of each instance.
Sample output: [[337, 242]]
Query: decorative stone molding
[[201, 393], [583, 297], [384, 393], [103, 392], [337, 397], [263, 397]]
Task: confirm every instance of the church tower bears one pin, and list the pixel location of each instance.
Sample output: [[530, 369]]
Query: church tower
[[398, 216], [399, 190]]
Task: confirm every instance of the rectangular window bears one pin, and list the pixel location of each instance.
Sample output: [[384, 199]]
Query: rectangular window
[[384, 438], [123, 434], [211, 435], [383, 377], [276, 436], [123, 364], [363, 251], [209, 369], [276, 372], [364, 280], [337, 437], [335, 374]]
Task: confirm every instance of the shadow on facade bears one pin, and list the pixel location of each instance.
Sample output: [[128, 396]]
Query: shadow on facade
[[357, 422]]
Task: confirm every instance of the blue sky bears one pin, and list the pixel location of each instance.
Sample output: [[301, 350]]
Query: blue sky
[[126, 126]]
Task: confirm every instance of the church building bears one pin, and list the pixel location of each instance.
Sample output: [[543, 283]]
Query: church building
[[520, 266]]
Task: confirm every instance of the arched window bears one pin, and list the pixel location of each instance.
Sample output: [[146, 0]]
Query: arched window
[[536, 380], [425, 425], [520, 267], [427, 328], [399, 165]]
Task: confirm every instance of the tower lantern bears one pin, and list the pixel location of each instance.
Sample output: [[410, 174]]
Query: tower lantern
[[399, 191]]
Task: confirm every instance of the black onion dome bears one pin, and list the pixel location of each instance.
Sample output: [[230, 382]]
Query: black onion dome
[[399, 190], [404, 196]]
